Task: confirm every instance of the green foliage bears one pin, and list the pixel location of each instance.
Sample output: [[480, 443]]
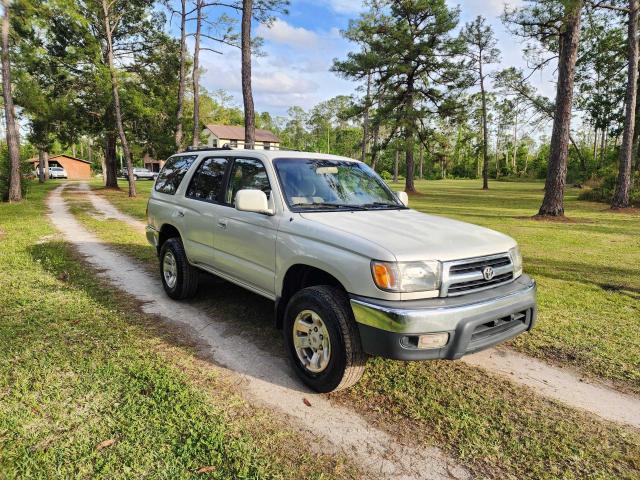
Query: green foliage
[[605, 187]]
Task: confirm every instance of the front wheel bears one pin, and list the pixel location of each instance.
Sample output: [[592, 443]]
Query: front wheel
[[322, 339], [179, 278]]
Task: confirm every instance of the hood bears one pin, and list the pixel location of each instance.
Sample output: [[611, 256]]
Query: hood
[[411, 235]]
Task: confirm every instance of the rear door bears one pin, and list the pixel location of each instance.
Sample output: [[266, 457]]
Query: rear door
[[245, 242], [203, 194]]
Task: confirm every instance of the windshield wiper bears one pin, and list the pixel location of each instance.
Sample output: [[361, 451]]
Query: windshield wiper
[[382, 204], [330, 205]]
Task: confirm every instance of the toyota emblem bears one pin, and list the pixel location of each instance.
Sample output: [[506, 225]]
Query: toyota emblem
[[488, 273]]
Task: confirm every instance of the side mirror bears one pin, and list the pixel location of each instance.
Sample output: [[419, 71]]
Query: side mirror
[[404, 198], [253, 201]]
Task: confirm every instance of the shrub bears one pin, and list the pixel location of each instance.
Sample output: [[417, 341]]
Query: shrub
[[386, 175], [602, 189]]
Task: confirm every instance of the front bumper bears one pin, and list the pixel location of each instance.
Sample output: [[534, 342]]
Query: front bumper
[[474, 322]]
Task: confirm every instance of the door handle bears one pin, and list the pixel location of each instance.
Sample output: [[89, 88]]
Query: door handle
[[222, 224]]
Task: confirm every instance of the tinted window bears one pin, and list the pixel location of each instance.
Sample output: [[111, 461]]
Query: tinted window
[[247, 173], [172, 173], [207, 182]]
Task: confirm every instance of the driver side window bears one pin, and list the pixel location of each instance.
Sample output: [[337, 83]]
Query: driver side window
[[247, 173]]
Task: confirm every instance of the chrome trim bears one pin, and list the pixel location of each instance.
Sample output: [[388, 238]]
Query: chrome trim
[[440, 318], [449, 279]]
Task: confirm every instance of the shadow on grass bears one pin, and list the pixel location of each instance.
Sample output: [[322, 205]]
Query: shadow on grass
[[239, 312], [605, 277]]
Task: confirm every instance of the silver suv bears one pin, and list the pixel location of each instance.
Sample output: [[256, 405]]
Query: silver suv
[[351, 269]]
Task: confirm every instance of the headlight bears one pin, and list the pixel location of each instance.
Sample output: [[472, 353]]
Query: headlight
[[516, 259], [406, 276]]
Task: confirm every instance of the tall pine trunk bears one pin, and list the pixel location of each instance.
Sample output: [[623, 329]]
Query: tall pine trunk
[[395, 166], [110, 170], [409, 185], [42, 161], [13, 142], [116, 99], [623, 185], [374, 146], [196, 75], [485, 134], [421, 161], [365, 120], [181, 74], [553, 202], [247, 94]]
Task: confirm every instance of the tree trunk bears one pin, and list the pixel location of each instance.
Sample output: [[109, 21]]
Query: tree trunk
[[196, 75], [42, 161], [110, 168], [116, 99], [365, 120], [514, 160], [395, 166], [374, 149], [409, 185], [636, 133], [485, 137], [181, 75], [247, 94], [553, 202], [421, 161], [595, 143], [13, 142], [623, 185]]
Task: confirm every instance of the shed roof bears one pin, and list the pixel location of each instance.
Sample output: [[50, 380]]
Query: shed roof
[[35, 159], [237, 133]]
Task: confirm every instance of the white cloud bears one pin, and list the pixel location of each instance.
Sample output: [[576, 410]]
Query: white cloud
[[346, 6], [284, 33]]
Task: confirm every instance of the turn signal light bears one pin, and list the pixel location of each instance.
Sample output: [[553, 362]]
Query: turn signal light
[[433, 340], [384, 275]]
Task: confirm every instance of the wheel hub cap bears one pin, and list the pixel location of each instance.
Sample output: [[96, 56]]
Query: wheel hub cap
[[311, 341], [170, 269]]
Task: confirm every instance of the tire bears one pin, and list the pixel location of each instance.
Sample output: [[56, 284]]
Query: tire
[[179, 277], [346, 361]]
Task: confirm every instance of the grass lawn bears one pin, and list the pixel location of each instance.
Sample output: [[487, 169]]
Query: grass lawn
[[496, 428], [90, 388]]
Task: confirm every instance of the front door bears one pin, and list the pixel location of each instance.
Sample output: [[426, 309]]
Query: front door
[[245, 242], [204, 192]]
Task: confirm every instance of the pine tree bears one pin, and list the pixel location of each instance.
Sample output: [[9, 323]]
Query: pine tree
[[481, 51], [409, 47]]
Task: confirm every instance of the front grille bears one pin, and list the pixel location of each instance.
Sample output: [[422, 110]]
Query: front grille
[[473, 284], [479, 265], [467, 276]]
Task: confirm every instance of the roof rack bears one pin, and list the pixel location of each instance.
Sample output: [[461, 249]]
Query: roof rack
[[204, 149]]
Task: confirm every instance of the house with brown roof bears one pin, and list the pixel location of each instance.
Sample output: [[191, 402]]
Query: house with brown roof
[[221, 135]]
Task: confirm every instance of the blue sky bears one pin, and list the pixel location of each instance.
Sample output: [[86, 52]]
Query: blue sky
[[300, 47]]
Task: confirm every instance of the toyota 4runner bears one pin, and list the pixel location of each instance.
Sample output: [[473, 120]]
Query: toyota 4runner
[[351, 269]]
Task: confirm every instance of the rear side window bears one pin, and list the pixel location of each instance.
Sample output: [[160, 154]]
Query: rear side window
[[172, 173], [208, 180]]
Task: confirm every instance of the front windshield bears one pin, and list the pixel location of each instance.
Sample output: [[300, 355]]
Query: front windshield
[[314, 184]]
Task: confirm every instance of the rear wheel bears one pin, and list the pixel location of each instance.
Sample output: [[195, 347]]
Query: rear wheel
[[179, 278], [322, 339]]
